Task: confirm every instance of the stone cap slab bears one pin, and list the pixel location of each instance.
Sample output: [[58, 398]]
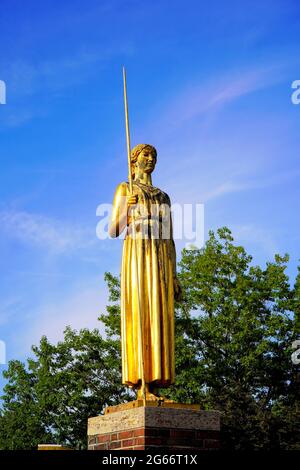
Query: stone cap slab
[[154, 416]]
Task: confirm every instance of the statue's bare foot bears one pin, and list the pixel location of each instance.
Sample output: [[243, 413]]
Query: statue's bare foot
[[167, 400], [149, 394], [152, 397]]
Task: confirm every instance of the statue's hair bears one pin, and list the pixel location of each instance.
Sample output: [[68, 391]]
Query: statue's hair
[[137, 150]]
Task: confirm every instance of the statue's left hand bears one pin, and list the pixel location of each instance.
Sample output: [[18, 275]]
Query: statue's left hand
[[177, 290]]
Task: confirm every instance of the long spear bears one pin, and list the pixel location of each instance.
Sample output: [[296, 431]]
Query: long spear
[[140, 328]]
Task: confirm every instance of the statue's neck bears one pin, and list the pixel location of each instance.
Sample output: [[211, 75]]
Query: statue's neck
[[144, 178]]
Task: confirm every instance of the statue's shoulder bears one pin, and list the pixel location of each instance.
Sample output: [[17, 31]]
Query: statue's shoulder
[[122, 188], [166, 197]]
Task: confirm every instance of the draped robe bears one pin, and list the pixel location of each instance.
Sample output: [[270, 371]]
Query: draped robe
[[154, 282]]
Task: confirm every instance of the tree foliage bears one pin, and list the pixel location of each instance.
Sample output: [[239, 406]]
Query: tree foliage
[[236, 326], [234, 331], [62, 386]]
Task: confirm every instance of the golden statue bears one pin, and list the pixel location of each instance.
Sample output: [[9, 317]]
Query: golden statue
[[148, 275], [156, 277]]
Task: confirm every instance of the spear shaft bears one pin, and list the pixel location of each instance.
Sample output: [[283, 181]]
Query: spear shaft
[[140, 328]]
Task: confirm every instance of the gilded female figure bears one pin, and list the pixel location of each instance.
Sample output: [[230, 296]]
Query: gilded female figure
[[155, 280]]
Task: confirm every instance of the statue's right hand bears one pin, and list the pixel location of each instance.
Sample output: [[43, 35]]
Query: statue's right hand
[[132, 200]]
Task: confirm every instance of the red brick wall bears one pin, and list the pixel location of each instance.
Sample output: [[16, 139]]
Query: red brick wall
[[156, 438]]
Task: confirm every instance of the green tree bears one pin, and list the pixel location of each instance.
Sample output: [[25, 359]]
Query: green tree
[[235, 328], [62, 386], [21, 422]]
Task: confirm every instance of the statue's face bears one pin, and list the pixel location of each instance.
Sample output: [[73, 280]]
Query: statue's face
[[146, 161]]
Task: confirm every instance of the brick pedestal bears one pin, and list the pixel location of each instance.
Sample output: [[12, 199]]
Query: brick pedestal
[[169, 427]]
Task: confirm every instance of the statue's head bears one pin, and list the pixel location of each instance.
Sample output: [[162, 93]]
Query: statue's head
[[143, 157]]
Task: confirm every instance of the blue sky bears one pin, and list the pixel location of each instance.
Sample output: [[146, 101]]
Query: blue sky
[[209, 85]]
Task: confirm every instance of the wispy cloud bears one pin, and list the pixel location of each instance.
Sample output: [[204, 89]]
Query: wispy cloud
[[52, 77], [27, 78], [223, 189], [55, 235], [9, 307], [16, 119], [256, 237], [208, 97], [233, 186], [78, 309]]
